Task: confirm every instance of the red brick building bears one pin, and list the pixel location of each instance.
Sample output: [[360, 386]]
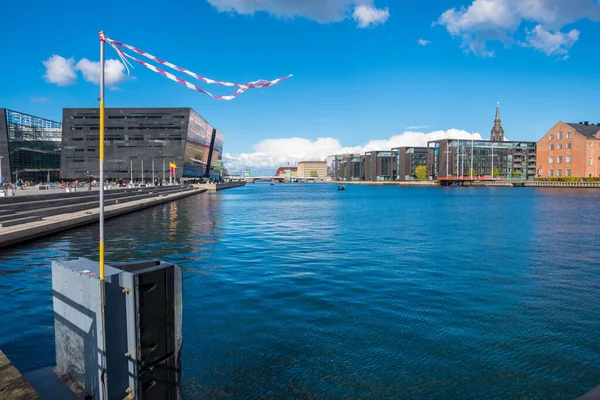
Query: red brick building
[[569, 150]]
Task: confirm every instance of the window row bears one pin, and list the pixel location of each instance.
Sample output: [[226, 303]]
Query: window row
[[131, 128], [559, 160], [569, 135], [559, 172], [559, 146]]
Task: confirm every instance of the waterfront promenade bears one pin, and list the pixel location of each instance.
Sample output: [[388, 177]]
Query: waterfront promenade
[[27, 217], [489, 183]]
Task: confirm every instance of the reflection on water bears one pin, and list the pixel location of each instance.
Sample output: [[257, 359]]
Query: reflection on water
[[301, 291]]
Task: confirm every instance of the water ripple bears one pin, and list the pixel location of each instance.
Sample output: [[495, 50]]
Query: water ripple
[[304, 292]]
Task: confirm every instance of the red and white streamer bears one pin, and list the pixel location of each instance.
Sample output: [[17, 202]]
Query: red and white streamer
[[242, 87]]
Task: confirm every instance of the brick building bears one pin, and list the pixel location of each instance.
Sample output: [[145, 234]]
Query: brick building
[[569, 150]]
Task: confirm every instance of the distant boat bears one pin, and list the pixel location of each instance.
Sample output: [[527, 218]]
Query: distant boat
[[341, 187]]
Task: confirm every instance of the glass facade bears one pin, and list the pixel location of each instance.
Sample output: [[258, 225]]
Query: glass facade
[[480, 159], [32, 147], [406, 160], [197, 147]]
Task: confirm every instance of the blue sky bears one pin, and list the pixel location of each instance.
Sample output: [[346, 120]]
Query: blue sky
[[359, 72]]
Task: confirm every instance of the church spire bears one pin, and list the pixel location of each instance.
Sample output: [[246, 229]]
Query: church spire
[[497, 130]]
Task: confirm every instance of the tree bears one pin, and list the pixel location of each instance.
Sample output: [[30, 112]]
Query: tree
[[421, 172], [496, 172], [472, 172], [516, 173], [314, 174]]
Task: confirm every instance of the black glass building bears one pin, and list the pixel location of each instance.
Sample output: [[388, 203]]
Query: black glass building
[[140, 144], [29, 147]]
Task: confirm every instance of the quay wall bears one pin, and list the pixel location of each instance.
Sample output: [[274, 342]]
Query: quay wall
[[12, 384], [33, 230], [213, 187]]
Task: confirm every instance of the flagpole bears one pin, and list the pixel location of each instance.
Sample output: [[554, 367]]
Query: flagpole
[[101, 150]]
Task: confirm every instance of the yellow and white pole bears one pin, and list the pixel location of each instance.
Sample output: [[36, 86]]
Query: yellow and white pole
[[101, 153]]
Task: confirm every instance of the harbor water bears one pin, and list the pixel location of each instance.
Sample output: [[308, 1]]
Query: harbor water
[[301, 291]]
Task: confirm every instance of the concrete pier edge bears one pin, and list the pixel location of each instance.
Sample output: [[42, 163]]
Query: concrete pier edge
[[47, 226], [12, 384]]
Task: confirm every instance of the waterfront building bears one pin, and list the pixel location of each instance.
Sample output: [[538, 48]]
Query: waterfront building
[[314, 169], [406, 160], [287, 172], [569, 150], [140, 142], [378, 166], [497, 134], [451, 159], [348, 167], [30, 147]]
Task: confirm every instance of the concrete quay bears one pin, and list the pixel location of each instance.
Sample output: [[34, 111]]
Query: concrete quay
[[36, 226], [213, 187], [389, 183], [12, 384]]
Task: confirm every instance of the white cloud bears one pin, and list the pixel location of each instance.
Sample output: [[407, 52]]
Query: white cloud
[[113, 71], [60, 70], [487, 20], [366, 16], [557, 43], [322, 11], [273, 153], [411, 128], [423, 42], [39, 99]]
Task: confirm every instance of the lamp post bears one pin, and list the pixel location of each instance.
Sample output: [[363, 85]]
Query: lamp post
[[1, 157]]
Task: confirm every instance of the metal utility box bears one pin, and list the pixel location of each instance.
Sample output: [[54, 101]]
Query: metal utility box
[[133, 349]]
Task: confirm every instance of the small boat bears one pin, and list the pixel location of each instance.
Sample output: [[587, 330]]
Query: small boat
[[341, 187]]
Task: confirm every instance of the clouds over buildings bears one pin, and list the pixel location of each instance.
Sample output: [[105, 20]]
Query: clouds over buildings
[[364, 12], [63, 71], [60, 70], [272, 153], [540, 21]]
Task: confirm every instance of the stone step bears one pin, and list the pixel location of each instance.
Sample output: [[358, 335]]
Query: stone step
[[19, 221]]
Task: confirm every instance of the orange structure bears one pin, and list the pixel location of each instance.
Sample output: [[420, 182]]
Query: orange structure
[[569, 150]]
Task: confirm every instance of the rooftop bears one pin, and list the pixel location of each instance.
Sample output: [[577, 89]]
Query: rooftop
[[587, 130]]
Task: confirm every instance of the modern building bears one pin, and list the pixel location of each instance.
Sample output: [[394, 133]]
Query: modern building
[[30, 147], [140, 143], [455, 159], [569, 150], [312, 169], [371, 166], [406, 160], [379, 166]]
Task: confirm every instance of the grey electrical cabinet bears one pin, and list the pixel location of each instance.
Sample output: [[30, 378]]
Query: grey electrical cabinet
[[132, 348]]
